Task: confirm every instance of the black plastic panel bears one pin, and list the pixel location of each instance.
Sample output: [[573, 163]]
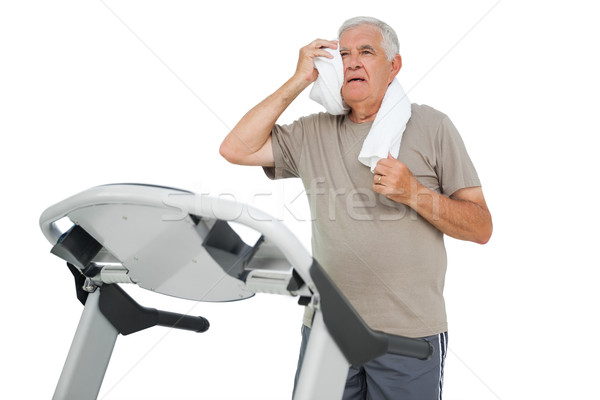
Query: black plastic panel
[[357, 341], [227, 248], [77, 247]]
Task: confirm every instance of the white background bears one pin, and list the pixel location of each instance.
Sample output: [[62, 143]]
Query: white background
[[96, 92]]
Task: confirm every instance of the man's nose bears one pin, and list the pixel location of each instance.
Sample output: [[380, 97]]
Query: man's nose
[[353, 62]]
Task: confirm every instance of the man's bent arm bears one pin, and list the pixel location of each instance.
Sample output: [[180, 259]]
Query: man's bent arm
[[464, 215], [249, 142]]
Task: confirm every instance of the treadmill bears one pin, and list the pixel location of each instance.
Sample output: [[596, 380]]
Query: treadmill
[[182, 244]]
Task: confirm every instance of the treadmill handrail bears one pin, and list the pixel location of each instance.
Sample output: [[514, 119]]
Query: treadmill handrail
[[186, 203]]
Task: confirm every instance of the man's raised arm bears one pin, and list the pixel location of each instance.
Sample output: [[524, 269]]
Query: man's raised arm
[[249, 142]]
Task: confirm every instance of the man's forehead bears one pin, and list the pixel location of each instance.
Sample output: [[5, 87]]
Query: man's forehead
[[362, 36]]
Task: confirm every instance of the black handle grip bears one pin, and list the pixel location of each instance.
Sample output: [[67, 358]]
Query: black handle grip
[[408, 347], [181, 321], [129, 317]]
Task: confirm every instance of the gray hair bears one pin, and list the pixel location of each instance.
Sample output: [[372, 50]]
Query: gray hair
[[390, 42]]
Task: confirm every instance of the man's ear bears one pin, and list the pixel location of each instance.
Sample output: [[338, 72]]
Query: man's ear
[[396, 66]]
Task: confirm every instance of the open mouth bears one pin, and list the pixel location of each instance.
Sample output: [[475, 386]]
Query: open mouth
[[356, 80]]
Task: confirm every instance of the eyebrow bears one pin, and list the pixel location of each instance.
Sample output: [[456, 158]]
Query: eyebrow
[[363, 47], [367, 47]]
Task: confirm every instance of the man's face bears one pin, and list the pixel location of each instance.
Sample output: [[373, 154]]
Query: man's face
[[367, 72]]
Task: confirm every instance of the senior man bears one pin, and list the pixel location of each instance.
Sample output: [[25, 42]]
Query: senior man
[[378, 231]]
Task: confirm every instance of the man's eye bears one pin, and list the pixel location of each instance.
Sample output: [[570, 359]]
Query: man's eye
[[343, 53]]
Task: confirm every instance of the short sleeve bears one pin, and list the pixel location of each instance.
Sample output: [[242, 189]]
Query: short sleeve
[[455, 168], [287, 142]]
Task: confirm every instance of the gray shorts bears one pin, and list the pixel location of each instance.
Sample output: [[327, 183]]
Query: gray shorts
[[393, 377]]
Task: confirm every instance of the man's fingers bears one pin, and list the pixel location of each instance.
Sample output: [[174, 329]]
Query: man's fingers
[[383, 166], [316, 48], [320, 43]]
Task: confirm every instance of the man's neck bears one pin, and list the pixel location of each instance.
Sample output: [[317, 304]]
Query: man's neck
[[359, 116], [362, 114]]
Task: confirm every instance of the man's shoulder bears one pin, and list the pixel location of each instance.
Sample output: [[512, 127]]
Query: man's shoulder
[[427, 122], [426, 113], [319, 121], [320, 117]]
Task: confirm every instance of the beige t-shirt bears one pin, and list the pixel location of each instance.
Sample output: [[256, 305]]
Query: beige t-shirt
[[388, 260]]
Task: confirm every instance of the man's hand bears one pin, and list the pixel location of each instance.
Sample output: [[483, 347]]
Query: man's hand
[[306, 68], [394, 180], [464, 215]]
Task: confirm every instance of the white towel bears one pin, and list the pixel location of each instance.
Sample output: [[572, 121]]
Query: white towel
[[387, 129], [327, 88]]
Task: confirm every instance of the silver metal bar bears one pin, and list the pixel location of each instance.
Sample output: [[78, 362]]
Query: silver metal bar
[[89, 355], [324, 368]]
